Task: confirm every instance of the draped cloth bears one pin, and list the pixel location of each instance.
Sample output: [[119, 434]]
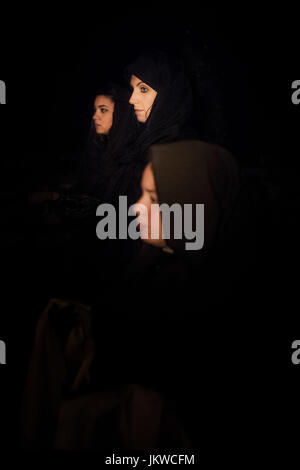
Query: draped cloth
[[62, 352], [60, 411]]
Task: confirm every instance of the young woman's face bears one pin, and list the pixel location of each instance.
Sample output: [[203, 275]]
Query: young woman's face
[[103, 114], [142, 98], [150, 221]]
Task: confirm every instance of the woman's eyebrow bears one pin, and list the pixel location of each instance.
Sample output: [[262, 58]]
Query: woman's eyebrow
[[138, 84], [102, 106], [150, 190]]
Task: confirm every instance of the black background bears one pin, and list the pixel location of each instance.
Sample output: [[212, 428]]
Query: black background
[[53, 65]]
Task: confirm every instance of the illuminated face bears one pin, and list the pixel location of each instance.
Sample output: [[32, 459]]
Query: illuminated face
[[150, 221], [142, 98], [103, 114]]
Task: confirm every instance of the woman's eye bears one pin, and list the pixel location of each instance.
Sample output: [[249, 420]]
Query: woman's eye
[[103, 110], [144, 89]]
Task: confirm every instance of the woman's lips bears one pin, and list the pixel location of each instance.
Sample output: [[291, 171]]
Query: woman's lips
[[138, 110]]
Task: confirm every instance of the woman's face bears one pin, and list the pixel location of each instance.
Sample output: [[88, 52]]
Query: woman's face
[[142, 98], [103, 114], [150, 221]]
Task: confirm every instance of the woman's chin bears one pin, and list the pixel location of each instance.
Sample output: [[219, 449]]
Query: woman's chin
[[141, 118]]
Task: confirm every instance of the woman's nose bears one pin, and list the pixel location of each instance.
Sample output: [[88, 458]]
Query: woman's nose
[[132, 99], [96, 115]]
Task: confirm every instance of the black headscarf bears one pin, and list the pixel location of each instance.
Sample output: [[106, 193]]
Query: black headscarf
[[167, 122], [195, 172], [102, 151], [173, 104]]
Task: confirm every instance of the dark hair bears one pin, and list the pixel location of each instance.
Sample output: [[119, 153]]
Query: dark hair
[[93, 136], [101, 158], [123, 129]]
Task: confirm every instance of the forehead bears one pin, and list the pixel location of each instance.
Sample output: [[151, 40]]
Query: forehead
[[103, 100], [135, 80]]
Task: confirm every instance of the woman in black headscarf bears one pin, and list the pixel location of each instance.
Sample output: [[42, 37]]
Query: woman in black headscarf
[[106, 140], [191, 173], [165, 119], [71, 209], [113, 127], [187, 297]]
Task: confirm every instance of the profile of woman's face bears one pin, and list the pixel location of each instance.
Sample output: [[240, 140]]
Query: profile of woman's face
[[142, 98], [103, 114], [150, 221]]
